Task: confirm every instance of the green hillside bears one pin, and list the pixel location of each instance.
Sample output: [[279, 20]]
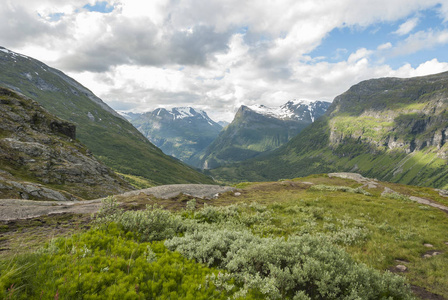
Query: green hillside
[[40, 158], [391, 129], [110, 137]]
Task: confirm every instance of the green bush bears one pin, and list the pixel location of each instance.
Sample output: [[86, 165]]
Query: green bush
[[306, 267], [106, 264]]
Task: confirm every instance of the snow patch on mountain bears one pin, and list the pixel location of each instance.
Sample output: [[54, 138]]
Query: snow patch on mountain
[[294, 109], [276, 112], [13, 54]]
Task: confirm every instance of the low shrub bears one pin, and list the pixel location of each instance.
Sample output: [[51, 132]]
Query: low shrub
[[305, 267], [334, 188]]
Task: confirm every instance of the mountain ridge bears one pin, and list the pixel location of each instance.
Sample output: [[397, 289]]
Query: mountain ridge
[[393, 129], [257, 130], [107, 134]]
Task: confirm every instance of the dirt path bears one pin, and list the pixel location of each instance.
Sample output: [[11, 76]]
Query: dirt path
[[370, 183], [13, 209]]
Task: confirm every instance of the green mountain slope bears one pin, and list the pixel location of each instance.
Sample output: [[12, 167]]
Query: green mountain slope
[[391, 129], [40, 158], [257, 130], [108, 135]]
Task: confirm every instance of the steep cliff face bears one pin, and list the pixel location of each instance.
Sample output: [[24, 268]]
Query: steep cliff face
[[392, 114], [392, 129], [39, 152]]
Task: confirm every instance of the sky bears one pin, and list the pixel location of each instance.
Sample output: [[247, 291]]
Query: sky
[[216, 55]]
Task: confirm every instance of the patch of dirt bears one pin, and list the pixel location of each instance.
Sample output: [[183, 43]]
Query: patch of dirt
[[13, 209], [23, 235], [177, 203], [203, 191], [279, 186], [424, 294]]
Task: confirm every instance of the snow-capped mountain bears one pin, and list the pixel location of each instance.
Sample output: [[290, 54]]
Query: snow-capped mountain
[[257, 129], [179, 131], [304, 110]]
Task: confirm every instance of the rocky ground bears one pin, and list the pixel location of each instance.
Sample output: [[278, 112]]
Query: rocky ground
[[12, 209]]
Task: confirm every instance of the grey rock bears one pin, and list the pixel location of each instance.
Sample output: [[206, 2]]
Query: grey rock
[[401, 268], [428, 202], [91, 117], [387, 191]]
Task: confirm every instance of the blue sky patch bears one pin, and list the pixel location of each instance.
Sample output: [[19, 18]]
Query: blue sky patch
[[340, 43], [101, 6]]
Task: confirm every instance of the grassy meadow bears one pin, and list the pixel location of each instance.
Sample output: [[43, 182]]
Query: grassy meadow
[[307, 238]]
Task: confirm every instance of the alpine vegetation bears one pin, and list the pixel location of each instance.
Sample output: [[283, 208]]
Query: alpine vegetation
[[301, 266]]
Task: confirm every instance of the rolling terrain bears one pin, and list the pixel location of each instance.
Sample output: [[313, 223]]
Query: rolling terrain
[[332, 236]]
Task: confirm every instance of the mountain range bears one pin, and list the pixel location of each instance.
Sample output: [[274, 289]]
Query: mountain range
[[110, 137], [258, 129], [392, 129], [180, 132]]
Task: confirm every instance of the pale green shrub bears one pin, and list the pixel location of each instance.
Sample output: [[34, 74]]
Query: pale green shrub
[[152, 224], [300, 267], [109, 211], [191, 205], [334, 188], [397, 196]]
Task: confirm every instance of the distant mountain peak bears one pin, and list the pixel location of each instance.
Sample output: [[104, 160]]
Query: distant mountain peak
[[292, 110], [299, 102], [178, 131]]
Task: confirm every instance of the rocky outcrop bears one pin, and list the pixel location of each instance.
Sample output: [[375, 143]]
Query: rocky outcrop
[[39, 149], [405, 115]]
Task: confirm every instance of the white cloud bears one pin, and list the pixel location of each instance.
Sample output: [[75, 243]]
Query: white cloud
[[429, 67], [384, 46], [407, 26], [215, 55], [420, 41], [362, 53]]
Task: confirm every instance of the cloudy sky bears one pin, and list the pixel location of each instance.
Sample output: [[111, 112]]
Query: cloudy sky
[[219, 54]]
